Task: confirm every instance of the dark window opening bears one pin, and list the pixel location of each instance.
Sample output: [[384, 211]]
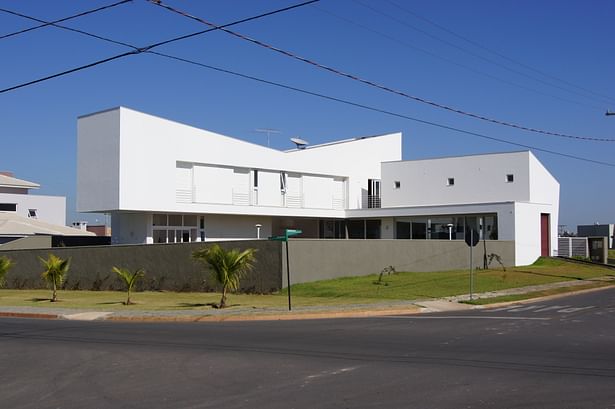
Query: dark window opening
[[8, 207]]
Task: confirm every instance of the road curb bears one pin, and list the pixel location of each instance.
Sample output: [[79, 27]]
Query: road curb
[[28, 315]]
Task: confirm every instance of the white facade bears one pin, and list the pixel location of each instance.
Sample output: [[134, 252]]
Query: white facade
[[457, 185], [136, 165], [16, 198], [167, 182]]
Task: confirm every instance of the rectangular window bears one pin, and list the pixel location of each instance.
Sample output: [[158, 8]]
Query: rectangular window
[[255, 178], [373, 193], [397, 184], [160, 220], [8, 207], [32, 213], [402, 229], [356, 229], [372, 229], [283, 181], [510, 178], [450, 181], [175, 220]]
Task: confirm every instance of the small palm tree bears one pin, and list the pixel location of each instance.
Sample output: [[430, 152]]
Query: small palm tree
[[129, 278], [55, 272], [228, 266], [5, 264]]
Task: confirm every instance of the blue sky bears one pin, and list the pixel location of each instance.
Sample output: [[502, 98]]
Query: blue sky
[[554, 70]]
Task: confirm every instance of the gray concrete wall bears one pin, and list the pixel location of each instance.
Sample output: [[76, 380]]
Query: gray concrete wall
[[30, 242], [168, 267], [171, 267], [312, 260]]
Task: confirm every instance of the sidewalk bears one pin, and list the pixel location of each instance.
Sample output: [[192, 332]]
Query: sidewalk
[[298, 312]]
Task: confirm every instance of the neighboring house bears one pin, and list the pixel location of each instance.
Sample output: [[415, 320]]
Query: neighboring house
[[15, 197], [23, 216], [167, 182], [597, 230]]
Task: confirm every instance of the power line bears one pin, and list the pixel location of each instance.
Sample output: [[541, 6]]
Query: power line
[[49, 23], [494, 52], [346, 102], [451, 61], [476, 55], [375, 109], [377, 85], [139, 50], [340, 100], [54, 24]]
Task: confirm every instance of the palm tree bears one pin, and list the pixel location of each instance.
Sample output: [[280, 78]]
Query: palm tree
[[228, 266], [5, 264], [56, 269], [129, 279]]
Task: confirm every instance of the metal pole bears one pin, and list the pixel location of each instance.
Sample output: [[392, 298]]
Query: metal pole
[[471, 274], [288, 275]]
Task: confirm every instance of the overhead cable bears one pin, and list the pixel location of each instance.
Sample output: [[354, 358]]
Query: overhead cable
[[499, 54], [140, 50], [49, 23], [377, 85]]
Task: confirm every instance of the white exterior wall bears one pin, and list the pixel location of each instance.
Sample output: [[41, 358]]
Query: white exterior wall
[[50, 209], [141, 152], [527, 232], [544, 191], [98, 162], [219, 227], [478, 179], [131, 228]]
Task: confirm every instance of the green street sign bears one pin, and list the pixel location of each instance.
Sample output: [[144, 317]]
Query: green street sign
[[287, 233]]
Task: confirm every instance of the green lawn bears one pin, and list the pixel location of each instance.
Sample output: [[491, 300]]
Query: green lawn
[[407, 286], [154, 300], [352, 290], [612, 254]]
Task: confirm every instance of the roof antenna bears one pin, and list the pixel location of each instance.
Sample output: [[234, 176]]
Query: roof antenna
[[268, 131], [301, 143]]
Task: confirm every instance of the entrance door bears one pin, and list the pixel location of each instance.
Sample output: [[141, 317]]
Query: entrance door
[[544, 235]]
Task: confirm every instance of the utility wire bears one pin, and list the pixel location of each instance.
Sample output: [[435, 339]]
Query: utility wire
[[472, 53], [374, 84], [54, 24], [335, 99], [375, 109], [451, 61], [140, 50], [494, 52], [49, 23]]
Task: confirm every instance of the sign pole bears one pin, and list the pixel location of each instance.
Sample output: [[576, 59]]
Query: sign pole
[[471, 274], [287, 233], [288, 275]]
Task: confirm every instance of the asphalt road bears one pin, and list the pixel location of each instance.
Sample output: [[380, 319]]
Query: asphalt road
[[556, 354]]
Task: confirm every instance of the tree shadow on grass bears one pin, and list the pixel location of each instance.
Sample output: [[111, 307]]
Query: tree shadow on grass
[[40, 299], [192, 304], [209, 304], [112, 303]]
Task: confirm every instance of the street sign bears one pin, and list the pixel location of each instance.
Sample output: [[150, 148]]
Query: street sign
[[287, 233], [472, 237]]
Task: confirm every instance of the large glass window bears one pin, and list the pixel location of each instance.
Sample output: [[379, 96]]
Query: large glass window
[[402, 229], [419, 230], [356, 229], [372, 229], [175, 220], [446, 227]]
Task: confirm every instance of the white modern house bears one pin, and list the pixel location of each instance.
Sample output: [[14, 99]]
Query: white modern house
[[167, 182]]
